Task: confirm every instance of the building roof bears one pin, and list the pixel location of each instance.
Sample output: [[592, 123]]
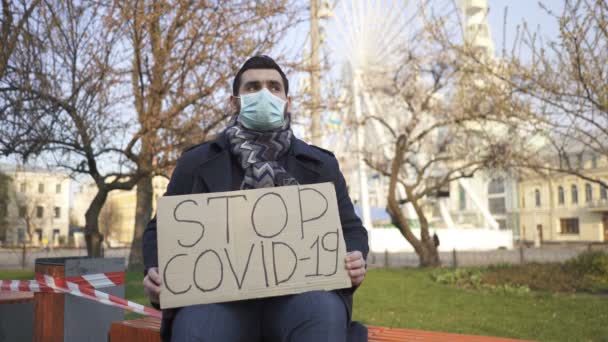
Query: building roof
[[11, 168]]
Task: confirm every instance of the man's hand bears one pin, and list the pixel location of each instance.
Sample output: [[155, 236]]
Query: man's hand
[[152, 284], [355, 264]]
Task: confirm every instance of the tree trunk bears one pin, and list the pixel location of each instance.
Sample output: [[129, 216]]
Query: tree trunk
[[28, 228], [92, 235], [428, 251], [429, 257], [143, 213], [143, 208], [149, 109], [425, 246]]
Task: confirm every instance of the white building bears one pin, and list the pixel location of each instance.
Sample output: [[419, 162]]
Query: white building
[[35, 206]]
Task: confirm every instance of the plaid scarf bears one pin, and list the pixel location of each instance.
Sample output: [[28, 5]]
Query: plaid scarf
[[258, 153]]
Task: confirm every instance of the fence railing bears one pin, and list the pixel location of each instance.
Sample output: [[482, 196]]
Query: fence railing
[[477, 258], [19, 258]]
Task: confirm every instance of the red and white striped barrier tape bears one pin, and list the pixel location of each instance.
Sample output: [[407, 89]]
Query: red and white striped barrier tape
[[96, 281], [82, 286]]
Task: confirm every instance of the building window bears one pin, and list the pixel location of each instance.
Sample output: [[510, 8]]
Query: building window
[[569, 226], [537, 198], [523, 201], [496, 197], [574, 194], [603, 192], [588, 193], [41, 188], [22, 187], [21, 235], [496, 186], [57, 212], [58, 188], [22, 211], [39, 234], [561, 197], [594, 162], [39, 211], [462, 198], [497, 205]]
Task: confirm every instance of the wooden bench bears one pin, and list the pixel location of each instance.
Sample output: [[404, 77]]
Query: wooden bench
[[148, 329], [144, 329]]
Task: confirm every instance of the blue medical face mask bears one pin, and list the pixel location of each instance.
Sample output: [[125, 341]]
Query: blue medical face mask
[[262, 111]]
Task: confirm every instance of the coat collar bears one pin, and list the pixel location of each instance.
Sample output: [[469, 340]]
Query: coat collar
[[216, 169]]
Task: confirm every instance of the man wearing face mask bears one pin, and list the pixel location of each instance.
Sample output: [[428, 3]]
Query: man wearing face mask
[[257, 150]]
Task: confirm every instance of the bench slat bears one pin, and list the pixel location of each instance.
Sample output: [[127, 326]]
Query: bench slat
[[144, 329], [148, 329], [384, 334]]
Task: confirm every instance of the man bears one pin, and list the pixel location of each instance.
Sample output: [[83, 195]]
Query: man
[[258, 150]]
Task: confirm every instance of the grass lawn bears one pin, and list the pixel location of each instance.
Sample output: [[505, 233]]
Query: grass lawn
[[16, 275], [409, 298]]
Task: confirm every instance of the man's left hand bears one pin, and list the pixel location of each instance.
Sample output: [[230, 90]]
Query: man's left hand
[[355, 264]]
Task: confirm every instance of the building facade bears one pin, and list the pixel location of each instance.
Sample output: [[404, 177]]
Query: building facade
[[117, 218], [566, 208], [486, 200], [35, 206]]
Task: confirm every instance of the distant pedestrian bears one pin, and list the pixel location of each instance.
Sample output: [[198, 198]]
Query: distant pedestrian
[[436, 240]]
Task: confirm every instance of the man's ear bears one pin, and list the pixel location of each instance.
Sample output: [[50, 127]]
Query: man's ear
[[235, 104]]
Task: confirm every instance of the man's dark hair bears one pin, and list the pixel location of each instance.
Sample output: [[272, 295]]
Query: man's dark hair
[[258, 62]]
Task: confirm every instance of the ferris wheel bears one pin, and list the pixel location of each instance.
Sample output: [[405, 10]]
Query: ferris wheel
[[365, 38]]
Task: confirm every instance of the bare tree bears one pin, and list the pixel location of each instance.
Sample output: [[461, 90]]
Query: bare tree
[[68, 85], [557, 89], [13, 23], [16, 21], [70, 94], [438, 135], [184, 54]]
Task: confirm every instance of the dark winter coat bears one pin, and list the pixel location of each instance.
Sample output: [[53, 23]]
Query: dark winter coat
[[210, 167]]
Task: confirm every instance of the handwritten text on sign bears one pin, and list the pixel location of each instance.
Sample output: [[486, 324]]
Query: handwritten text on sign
[[236, 245]]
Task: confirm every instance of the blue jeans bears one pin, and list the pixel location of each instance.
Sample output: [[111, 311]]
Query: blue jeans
[[311, 316]]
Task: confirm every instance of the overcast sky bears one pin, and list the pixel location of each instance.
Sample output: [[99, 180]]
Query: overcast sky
[[519, 11]]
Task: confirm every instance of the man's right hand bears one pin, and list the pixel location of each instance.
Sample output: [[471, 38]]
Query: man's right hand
[[152, 284]]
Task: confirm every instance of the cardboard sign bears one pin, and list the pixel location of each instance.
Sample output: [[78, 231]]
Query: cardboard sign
[[228, 246]]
